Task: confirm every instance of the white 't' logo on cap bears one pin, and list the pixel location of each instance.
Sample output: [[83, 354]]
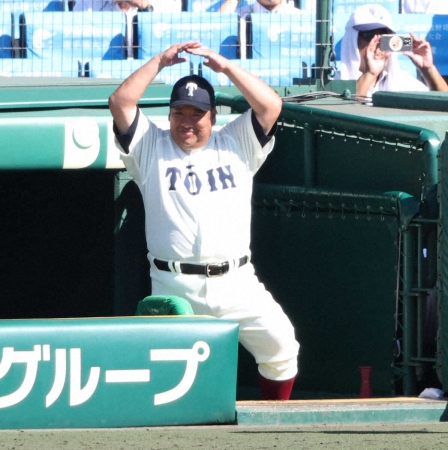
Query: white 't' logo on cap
[[191, 87]]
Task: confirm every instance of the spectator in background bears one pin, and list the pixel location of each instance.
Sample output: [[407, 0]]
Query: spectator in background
[[259, 6], [424, 6], [376, 70], [112, 5], [129, 7]]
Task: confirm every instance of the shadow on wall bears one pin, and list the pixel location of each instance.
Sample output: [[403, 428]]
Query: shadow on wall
[[132, 281], [57, 244]]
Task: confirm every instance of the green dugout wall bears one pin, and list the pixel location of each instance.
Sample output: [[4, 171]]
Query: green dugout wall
[[347, 228], [354, 245]]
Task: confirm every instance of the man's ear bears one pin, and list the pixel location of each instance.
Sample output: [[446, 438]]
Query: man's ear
[[213, 113]]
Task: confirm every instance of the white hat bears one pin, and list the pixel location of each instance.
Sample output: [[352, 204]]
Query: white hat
[[370, 17], [364, 18]]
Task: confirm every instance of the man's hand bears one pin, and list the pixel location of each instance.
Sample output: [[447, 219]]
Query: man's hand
[[124, 100], [214, 60], [421, 54], [422, 57], [371, 66], [171, 56], [375, 59]]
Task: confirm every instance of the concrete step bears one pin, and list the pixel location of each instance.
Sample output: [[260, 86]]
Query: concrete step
[[341, 411]]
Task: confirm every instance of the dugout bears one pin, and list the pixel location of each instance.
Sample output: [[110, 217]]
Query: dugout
[[347, 229]]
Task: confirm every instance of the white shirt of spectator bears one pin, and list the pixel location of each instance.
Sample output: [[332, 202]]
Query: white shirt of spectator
[[425, 6], [285, 8], [96, 5], [111, 5], [400, 81]]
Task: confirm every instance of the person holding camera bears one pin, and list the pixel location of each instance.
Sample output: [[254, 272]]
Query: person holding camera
[[377, 69]]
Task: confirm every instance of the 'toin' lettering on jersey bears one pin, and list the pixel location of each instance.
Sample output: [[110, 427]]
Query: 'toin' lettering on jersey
[[219, 178]]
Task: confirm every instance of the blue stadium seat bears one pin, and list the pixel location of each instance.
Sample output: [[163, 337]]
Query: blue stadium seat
[[21, 6], [62, 36], [38, 68], [98, 68], [56, 5], [5, 35], [272, 72], [122, 69], [282, 37], [17, 7], [157, 31]]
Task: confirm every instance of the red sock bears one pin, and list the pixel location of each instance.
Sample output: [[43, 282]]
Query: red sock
[[275, 390]]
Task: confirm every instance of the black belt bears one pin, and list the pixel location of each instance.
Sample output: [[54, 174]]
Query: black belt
[[209, 270]]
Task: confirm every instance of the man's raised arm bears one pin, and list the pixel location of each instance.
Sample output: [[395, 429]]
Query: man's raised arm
[[264, 101], [123, 102]]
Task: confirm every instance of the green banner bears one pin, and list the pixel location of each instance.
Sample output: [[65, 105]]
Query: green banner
[[116, 372]]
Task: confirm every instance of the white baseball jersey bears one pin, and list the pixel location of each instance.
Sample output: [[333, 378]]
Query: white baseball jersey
[[198, 203]]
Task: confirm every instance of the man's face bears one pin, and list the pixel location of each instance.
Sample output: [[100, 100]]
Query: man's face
[[190, 126], [364, 39], [270, 5]]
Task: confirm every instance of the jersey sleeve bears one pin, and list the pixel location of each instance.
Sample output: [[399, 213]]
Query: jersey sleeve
[[243, 130], [140, 148]]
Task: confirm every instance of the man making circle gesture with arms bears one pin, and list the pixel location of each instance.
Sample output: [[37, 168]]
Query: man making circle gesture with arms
[[196, 184]]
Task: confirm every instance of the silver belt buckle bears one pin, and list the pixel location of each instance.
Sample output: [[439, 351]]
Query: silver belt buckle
[[213, 266]]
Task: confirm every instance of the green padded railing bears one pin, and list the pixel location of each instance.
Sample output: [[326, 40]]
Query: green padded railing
[[288, 199]]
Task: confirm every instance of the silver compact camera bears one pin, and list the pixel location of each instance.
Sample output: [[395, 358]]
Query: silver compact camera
[[396, 43]]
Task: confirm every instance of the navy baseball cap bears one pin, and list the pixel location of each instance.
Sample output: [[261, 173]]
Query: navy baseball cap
[[195, 91]]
